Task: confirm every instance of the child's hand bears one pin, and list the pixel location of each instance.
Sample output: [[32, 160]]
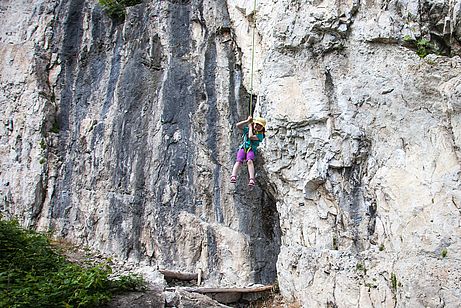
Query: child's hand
[[250, 119]]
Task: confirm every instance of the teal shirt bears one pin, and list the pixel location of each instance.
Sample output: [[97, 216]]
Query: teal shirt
[[247, 143]]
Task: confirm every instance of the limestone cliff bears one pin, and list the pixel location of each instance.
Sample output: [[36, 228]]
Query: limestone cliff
[[119, 135]]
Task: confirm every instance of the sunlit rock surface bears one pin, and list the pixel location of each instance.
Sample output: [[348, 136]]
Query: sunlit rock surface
[[119, 136]]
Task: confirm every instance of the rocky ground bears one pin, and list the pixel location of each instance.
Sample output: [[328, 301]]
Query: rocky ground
[[159, 290]]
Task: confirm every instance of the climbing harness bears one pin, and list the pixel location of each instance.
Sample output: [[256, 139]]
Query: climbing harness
[[252, 60], [246, 144]]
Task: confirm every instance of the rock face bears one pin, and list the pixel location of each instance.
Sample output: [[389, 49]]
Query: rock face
[[119, 135]]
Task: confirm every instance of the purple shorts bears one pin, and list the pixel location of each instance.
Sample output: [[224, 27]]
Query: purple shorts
[[242, 156]]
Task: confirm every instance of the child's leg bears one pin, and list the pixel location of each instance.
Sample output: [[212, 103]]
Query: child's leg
[[251, 167], [240, 158], [236, 168]]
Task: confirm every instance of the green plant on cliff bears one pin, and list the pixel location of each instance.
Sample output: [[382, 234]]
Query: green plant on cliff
[[43, 144], [116, 8], [33, 274], [360, 267], [393, 281], [444, 253], [422, 46], [55, 127]]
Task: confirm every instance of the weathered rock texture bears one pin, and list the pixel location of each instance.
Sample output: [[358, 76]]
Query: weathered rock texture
[[119, 136]]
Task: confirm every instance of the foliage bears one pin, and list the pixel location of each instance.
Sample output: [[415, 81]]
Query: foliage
[[130, 282], [394, 281], [55, 127], [361, 267], [370, 285], [116, 8], [335, 243], [43, 144], [422, 46], [444, 253], [32, 274]]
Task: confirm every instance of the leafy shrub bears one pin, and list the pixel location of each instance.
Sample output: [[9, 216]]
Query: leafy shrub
[[422, 46], [130, 282], [32, 274], [116, 8]]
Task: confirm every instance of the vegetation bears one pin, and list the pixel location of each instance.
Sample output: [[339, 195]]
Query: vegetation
[[116, 8], [444, 253], [43, 144], [422, 46], [33, 274], [370, 285], [55, 127], [394, 281], [360, 267], [335, 243]]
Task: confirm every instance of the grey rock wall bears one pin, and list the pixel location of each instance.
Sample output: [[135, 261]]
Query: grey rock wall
[[363, 150], [131, 148], [120, 136]]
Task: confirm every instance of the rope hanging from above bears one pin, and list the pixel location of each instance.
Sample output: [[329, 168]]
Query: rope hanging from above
[[252, 60]]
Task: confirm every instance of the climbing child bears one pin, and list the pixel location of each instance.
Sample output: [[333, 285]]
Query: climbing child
[[253, 134]]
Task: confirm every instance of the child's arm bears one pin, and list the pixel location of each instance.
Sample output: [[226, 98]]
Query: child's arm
[[251, 135], [241, 124], [257, 137]]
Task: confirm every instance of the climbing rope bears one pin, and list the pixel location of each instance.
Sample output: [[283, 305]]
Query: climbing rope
[[252, 60]]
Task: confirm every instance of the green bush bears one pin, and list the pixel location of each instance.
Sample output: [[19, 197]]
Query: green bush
[[33, 274], [422, 46], [116, 8]]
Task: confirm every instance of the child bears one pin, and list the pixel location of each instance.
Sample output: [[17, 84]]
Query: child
[[253, 134]]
